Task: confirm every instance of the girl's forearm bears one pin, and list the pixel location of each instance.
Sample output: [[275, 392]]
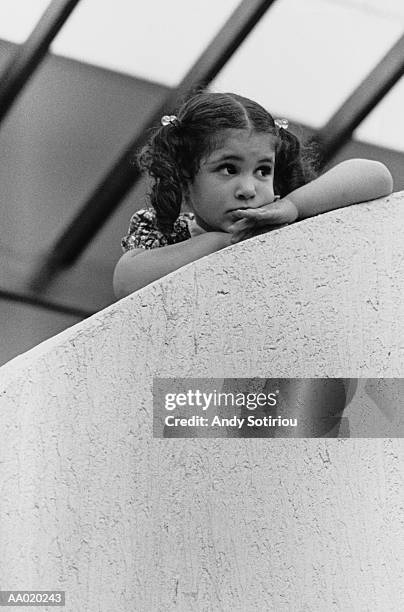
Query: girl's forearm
[[140, 267], [350, 182]]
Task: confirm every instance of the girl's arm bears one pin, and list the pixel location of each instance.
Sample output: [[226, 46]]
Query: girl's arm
[[140, 267], [350, 182]]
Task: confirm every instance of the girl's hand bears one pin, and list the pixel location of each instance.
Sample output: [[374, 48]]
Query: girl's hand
[[253, 221]]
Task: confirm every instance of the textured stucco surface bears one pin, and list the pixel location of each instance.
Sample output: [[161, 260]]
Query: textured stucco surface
[[93, 505]]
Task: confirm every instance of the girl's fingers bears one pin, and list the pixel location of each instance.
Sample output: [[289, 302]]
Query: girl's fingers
[[239, 236], [237, 214], [262, 217], [240, 225], [255, 221], [255, 231], [276, 213]]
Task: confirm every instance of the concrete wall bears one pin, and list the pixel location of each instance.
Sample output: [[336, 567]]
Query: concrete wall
[[93, 505]]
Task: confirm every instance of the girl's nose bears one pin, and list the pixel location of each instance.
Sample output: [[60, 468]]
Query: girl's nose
[[245, 190]]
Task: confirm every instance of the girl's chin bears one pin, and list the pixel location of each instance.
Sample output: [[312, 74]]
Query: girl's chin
[[219, 227]]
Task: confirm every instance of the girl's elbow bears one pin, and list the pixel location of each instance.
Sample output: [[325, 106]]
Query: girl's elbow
[[118, 282], [382, 178], [373, 177], [124, 281], [386, 183]]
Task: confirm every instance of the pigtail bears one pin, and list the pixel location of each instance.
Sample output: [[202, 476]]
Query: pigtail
[[294, 165], [160, 159]]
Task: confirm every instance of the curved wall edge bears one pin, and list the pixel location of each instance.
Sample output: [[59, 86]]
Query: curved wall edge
[[93, 505]]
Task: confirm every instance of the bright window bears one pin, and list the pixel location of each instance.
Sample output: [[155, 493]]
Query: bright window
[[301, 61]]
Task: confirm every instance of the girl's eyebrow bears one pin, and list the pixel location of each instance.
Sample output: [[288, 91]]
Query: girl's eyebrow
[[225, 157], [230, 157]]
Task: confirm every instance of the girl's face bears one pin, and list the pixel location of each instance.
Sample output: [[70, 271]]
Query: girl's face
[[238, 174]]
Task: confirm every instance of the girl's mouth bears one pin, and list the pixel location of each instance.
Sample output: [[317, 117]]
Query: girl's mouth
[[232, 210]]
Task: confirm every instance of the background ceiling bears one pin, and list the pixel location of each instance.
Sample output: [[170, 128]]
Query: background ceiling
[[301, 61]]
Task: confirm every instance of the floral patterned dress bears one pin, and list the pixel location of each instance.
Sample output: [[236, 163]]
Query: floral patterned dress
[[143, 232]]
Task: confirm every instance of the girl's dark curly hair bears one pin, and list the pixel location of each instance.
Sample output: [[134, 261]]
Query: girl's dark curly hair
[[174, 152]]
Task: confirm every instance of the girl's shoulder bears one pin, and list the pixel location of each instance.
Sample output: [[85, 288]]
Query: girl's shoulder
[[144, 233]]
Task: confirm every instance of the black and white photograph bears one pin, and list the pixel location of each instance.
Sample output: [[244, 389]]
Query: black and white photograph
[[202, 220]]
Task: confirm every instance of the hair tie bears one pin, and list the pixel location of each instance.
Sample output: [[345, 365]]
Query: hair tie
[[282, 124], [169, 119]]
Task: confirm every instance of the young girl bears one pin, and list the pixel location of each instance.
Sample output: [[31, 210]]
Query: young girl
[[238, 172]]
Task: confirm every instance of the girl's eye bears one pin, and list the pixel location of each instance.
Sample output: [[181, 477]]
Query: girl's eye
[[265, 170], [227, 169]]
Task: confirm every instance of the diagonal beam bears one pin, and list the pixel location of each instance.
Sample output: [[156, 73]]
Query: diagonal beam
[[361, 102], [39, 302], [122, 176], [29, 55]]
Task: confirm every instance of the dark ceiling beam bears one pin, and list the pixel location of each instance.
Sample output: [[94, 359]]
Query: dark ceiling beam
[[39, 302], [29, 55], [339, 129], [123, 175]]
